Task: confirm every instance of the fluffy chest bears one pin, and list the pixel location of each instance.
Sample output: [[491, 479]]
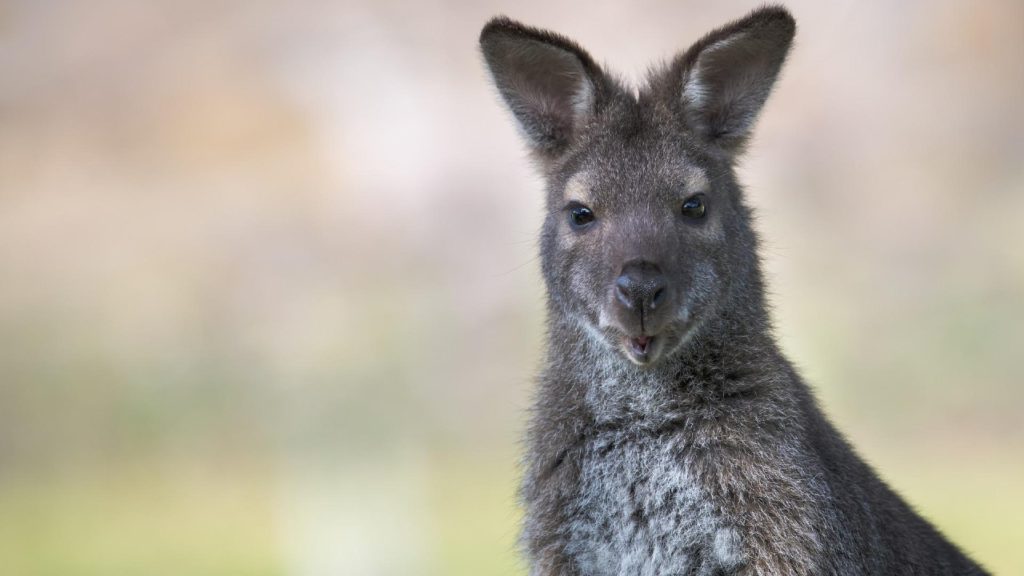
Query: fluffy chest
[[641, 511]]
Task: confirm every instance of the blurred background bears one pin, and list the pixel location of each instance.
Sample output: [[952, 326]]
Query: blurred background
[[269, 300]]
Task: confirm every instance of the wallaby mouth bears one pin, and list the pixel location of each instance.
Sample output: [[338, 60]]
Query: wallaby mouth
[[640, 349]]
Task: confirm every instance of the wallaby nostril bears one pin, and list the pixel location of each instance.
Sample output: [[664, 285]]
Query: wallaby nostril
[[659, 295]]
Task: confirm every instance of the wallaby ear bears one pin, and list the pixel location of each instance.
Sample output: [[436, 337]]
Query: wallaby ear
[[551, 84], [727, 75]]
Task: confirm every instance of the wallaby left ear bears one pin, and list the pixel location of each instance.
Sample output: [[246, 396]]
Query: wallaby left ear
[[551, 84], [727, 75]]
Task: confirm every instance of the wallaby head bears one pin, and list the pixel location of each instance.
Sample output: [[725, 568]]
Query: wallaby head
[[646, 238]]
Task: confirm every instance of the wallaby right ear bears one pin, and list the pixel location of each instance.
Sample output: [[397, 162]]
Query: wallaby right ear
[[727, 75], [551, 84]]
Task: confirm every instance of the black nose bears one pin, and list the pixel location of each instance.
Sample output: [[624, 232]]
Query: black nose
[[641, 286]]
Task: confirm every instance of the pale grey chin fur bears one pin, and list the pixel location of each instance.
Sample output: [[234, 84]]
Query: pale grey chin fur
[[599, 337], [593, 332], [596, 335], [622, 349], [705, 276], [683, 339]]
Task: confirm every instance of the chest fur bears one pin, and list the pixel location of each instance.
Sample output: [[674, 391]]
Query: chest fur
[[641, 510]]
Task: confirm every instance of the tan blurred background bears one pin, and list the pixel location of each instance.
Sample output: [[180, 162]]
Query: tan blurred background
[[269, 302]]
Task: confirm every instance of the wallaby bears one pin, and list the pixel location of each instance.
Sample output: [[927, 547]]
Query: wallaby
[[669, 435]]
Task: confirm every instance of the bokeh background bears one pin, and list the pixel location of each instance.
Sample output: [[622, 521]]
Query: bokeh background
[[269, 300]]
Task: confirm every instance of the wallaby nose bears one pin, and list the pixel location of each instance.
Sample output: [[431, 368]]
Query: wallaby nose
[[641, 286]]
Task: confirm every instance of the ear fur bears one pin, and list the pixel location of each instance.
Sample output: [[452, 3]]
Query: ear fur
[[724, 79], [551, 84]]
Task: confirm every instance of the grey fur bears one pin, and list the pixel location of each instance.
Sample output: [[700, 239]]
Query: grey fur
[[670, 437]]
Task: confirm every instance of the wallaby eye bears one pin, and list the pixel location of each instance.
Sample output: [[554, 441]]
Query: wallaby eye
[[580, 215], [694, 207]]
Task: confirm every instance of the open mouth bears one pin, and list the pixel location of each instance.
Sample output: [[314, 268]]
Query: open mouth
[[639, 348]]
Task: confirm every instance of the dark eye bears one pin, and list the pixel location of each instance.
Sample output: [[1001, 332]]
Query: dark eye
[[694, 207], [580, 215]]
